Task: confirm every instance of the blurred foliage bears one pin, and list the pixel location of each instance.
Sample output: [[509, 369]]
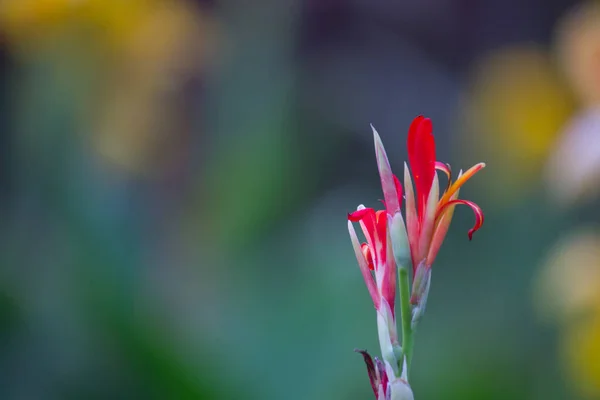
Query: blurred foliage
[[177, 175]]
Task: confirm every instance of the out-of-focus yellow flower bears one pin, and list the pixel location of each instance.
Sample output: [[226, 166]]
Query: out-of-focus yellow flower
[[28, 22], [148, 49], [569, 282], [578, 47], [514, 110], [142, 122], [582, 355], [573, 171], [568, 292]]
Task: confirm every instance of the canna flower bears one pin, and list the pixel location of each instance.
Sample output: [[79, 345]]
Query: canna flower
[[376, 253], [391, 243], [373, 255], [429, 212]]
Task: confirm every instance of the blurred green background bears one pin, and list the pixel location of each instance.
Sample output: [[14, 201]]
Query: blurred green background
[[175, 177]]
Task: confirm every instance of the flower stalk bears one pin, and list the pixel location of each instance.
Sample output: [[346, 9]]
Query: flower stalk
[[406, 315]]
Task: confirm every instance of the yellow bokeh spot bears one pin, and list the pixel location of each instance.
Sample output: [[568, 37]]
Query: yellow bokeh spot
[[578, 48], [569, 282], [582, 353], [27, 22], [141, 54], [567, 292], [515, 109]]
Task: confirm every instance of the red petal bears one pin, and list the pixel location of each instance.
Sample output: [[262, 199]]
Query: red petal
[[360, 214], [476, 210], [383, 378], [398, 189], [421, 157], [373, 378], [380, 242], [412, 133], [366, 250], [366, 217]]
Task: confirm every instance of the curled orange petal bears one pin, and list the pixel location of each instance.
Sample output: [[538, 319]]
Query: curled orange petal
[[476, 210], [459, 182]]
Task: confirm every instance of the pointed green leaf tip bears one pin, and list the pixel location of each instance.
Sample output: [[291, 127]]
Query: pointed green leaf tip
[[388, 185]]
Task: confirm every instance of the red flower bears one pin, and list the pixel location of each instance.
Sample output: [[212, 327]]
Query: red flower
[[375, 255], [428, 214], [428, 220]]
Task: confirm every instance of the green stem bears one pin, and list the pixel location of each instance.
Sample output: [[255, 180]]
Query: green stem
[[406, 315]]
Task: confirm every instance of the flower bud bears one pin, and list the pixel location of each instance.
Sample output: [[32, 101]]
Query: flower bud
[[399, 240], [399, 389], [420, 291], [386, 327], [378, 375]]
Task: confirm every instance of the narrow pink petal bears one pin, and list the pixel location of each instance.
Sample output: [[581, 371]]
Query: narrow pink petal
[[388, 183], [441, 229], [383, 377], [366, 250], [363, 265], [388, 284], [381, 237], [446, 169], [398, 191], [412, 219], [428, 220]]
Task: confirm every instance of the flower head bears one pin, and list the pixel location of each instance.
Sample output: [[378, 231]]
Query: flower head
[[429, 219], [373, 254], [428, 212], [376, 254]]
